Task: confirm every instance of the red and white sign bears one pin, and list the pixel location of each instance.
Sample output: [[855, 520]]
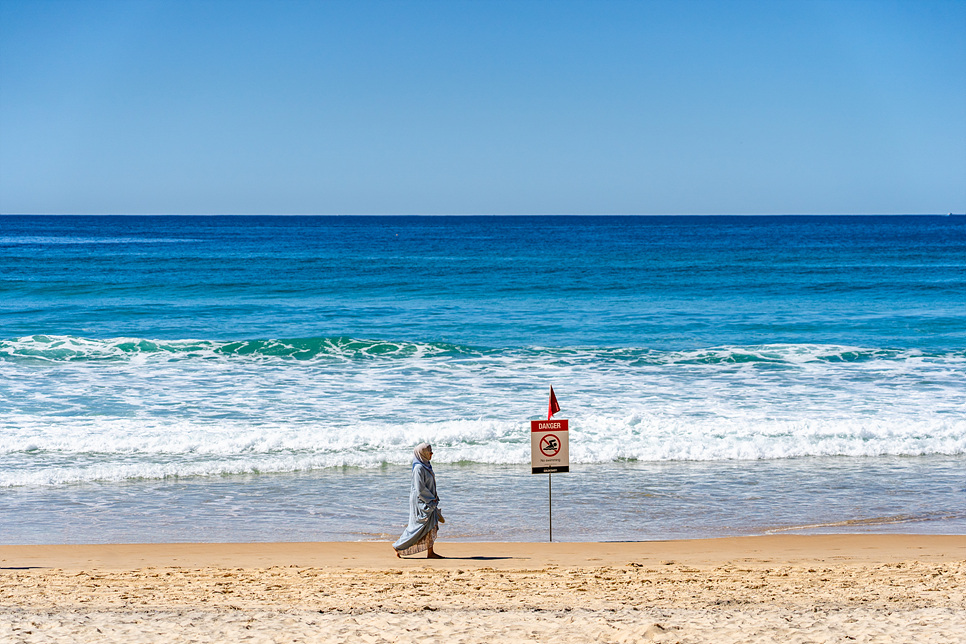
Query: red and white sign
[[549, 446]]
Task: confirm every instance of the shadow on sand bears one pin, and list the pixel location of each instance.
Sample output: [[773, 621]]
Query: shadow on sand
[[461, 558]]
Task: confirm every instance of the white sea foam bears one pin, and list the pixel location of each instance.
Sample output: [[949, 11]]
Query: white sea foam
[[74, 410], [115, 450]]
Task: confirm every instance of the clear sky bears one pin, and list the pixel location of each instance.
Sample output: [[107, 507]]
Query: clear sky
[[482, 107]]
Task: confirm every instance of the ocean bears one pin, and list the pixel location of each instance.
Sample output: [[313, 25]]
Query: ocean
[[265, 378]]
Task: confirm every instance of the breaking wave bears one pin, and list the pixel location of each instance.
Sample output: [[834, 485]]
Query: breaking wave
[[77, 410], [53, 348]]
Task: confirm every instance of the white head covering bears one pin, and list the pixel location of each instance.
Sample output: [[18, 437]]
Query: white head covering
[[422, 452]]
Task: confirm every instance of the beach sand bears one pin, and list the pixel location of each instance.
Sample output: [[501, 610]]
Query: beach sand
[[818, 588]]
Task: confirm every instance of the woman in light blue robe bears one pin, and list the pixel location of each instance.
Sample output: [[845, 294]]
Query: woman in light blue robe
[[424, 514]]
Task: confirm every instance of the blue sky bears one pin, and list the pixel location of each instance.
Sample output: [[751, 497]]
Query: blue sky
[[482, 107]]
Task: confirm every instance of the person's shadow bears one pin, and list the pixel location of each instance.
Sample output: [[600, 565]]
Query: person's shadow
[[480, 558]]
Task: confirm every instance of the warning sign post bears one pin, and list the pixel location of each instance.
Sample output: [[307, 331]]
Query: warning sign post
[[549, 446], [549, 452]]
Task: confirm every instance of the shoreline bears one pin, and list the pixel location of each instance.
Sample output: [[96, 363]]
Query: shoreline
[[760, 550], [862, 587], [645, 502]]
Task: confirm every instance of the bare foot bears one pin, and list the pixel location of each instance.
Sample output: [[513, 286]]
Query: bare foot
[[433, 555]]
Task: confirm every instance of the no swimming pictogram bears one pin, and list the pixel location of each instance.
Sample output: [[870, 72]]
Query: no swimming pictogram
[[549, 445]]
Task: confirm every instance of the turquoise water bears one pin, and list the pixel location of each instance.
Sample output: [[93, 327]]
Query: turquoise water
[[263, 378]]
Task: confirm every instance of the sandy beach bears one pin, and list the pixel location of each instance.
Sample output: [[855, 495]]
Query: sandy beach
[[822, 588]]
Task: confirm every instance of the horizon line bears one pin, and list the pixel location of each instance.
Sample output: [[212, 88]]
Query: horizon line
[[471, 214]]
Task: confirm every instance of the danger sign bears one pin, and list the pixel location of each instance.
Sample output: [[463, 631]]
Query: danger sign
[[549, 446]]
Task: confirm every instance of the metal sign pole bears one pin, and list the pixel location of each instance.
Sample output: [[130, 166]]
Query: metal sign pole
[[549, 454]]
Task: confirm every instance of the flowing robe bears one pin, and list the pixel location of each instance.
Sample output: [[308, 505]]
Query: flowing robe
[[423, 512]]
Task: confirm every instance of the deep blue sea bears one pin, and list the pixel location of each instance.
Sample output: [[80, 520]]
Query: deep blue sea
[[265, 378]]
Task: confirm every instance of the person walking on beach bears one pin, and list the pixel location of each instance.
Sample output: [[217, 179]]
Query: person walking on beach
[[424, 514]]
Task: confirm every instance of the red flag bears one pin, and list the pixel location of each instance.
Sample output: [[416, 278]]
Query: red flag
[[554, 407]]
